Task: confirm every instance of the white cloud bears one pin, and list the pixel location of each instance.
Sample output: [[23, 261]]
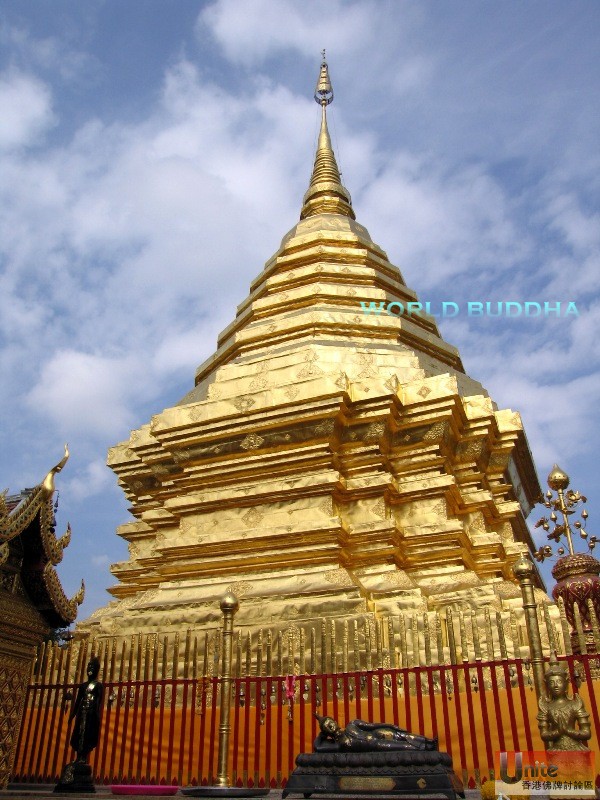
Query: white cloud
[[256, 31], [83, 393], [580, 230], [577, 253], [127, 250], [178, 353], [365, 37], [558, 414], [445, 221], [26, 105], [93, 480], [48, 54]]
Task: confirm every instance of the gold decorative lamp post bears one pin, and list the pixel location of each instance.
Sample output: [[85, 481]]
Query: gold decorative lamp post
[[229, 605], [577, 575], [523, 571]]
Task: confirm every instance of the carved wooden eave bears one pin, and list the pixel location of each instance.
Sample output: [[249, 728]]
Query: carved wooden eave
[[30, 549]]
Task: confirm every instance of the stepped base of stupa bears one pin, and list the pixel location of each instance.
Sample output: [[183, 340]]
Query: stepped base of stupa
[[353, 503]]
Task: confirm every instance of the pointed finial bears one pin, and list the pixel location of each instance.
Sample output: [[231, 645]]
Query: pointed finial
[[523, 568], [558, 478], [326, 194], [324, 91]]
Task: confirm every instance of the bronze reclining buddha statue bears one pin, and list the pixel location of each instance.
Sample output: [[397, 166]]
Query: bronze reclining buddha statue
[[373, 757]]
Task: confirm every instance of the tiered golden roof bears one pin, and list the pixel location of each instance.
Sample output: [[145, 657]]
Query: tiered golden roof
[[30, 550], [328, 462]]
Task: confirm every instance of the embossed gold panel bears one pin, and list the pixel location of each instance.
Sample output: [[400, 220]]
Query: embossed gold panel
[[358, 783]]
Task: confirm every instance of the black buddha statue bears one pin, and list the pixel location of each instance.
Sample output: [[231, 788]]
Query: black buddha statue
[[360, 736], [76, 776], [86, 712]]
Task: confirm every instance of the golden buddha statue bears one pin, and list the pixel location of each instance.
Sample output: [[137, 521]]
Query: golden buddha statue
[[563, 721]]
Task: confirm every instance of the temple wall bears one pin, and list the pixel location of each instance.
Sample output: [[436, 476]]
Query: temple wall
[[21, 631]]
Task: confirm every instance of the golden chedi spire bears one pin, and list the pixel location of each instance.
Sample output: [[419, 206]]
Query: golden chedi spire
[[326, 194], [331, 460]]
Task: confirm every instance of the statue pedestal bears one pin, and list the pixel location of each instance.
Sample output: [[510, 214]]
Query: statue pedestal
[[76, 777], [396, 774]]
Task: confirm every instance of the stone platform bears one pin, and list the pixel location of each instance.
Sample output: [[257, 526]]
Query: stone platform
[[405, 773], [32, 791]]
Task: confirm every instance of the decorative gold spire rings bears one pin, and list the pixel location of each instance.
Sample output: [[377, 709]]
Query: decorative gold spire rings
[[326, 194], [324, 90]]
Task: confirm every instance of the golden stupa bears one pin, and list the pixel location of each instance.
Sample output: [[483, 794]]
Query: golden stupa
[[328, 463]]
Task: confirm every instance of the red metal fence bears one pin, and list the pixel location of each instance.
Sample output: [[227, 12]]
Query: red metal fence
[[166, 730]]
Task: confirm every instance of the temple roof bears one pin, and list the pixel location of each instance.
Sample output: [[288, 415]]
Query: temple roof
[[30, 550]]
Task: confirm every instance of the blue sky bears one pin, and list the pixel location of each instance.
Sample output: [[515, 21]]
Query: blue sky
[[153, 154]]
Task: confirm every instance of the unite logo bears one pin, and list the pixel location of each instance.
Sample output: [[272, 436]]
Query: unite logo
[[563, 773], [536, 770]]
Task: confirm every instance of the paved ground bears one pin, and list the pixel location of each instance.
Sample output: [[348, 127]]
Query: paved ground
[[103, 793]]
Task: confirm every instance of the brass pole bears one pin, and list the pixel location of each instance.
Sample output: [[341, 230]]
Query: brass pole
[[229, 605], [523, 571], [565, 512]]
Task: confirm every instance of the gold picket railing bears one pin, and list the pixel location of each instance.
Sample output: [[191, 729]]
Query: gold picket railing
[[356, 644]]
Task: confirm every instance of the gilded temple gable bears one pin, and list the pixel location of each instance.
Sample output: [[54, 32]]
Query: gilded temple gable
[[30, 549]]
